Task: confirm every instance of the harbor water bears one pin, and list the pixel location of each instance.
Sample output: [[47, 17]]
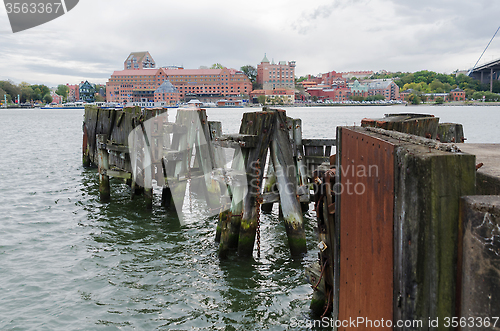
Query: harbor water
[[69, 262]]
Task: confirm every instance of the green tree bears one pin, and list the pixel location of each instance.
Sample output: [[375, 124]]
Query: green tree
[[37, 94], [377, 97], [3, 94], [300, 79], [42, 88], [439, 100], [11, 89], [27, 93], [262, 99], [414, 99], [251, 72], [436, 86], [62, 90], [217, 66], [356, 98], [47, 98], [99, 98]]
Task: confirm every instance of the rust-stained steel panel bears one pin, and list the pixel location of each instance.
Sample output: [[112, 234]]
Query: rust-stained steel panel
[[366, 229]]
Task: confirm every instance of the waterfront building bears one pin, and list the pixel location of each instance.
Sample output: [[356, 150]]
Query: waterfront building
[[138, 85], [338, 94], [333, 78], [168, 93], [277, 95], [139, 60], [279, 75], [86, 92], [358, 89], [357, 74], [457, 94], [312, 81], [429, 97], [384, 87], [56, 98], [73, 93]]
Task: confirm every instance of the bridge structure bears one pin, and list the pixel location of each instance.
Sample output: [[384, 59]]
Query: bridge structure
[[487, 72]]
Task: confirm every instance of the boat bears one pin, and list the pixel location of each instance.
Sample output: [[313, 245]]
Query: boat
[[145, 104], [223, 103], [67, 105]]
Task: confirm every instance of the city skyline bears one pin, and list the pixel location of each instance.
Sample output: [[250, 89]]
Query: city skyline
[[90, 42]]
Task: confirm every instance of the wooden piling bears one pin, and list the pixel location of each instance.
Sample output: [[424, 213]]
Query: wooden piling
[[269, 187], [215, 129], [230, 220], [206, 158], [259, 124], [282, 157], [104, 190], [85, 148], [300, 162]]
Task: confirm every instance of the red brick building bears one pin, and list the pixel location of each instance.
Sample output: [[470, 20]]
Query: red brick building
[[286, 95], [457, 95], [56, 98], [333, 78], [167, 93], [139, 60], [338, 94], [384, 87], [139, 85], [279, 75], [73, 93]]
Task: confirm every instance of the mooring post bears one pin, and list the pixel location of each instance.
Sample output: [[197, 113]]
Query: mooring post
[[259, 124], [85, 147], [206, 158], [282, 156], [269, 187], [104, 190], [215, 129], [148, 187], [148, 167], [230, 220], [300, 161]]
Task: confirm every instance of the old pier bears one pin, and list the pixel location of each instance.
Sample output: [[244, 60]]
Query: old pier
[[144, 148], [414, 243], [408, 216]]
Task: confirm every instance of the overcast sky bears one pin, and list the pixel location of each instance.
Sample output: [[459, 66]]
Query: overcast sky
[[93, 39]]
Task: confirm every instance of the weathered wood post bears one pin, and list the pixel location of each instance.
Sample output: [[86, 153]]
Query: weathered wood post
[[206, 158], [269, 187], [215, 129], [104, 190], [300, 161], [282, 156], [261, 125], [90, 125], [230, 220], [85, 147], [147, 164]]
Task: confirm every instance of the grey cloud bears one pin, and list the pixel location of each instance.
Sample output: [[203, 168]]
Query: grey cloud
[[307, 20]]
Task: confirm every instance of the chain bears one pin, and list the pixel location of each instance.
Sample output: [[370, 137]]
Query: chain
[[257, 206], [189, 181]]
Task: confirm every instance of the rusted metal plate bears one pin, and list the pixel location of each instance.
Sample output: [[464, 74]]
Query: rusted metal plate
[[366, 228]]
